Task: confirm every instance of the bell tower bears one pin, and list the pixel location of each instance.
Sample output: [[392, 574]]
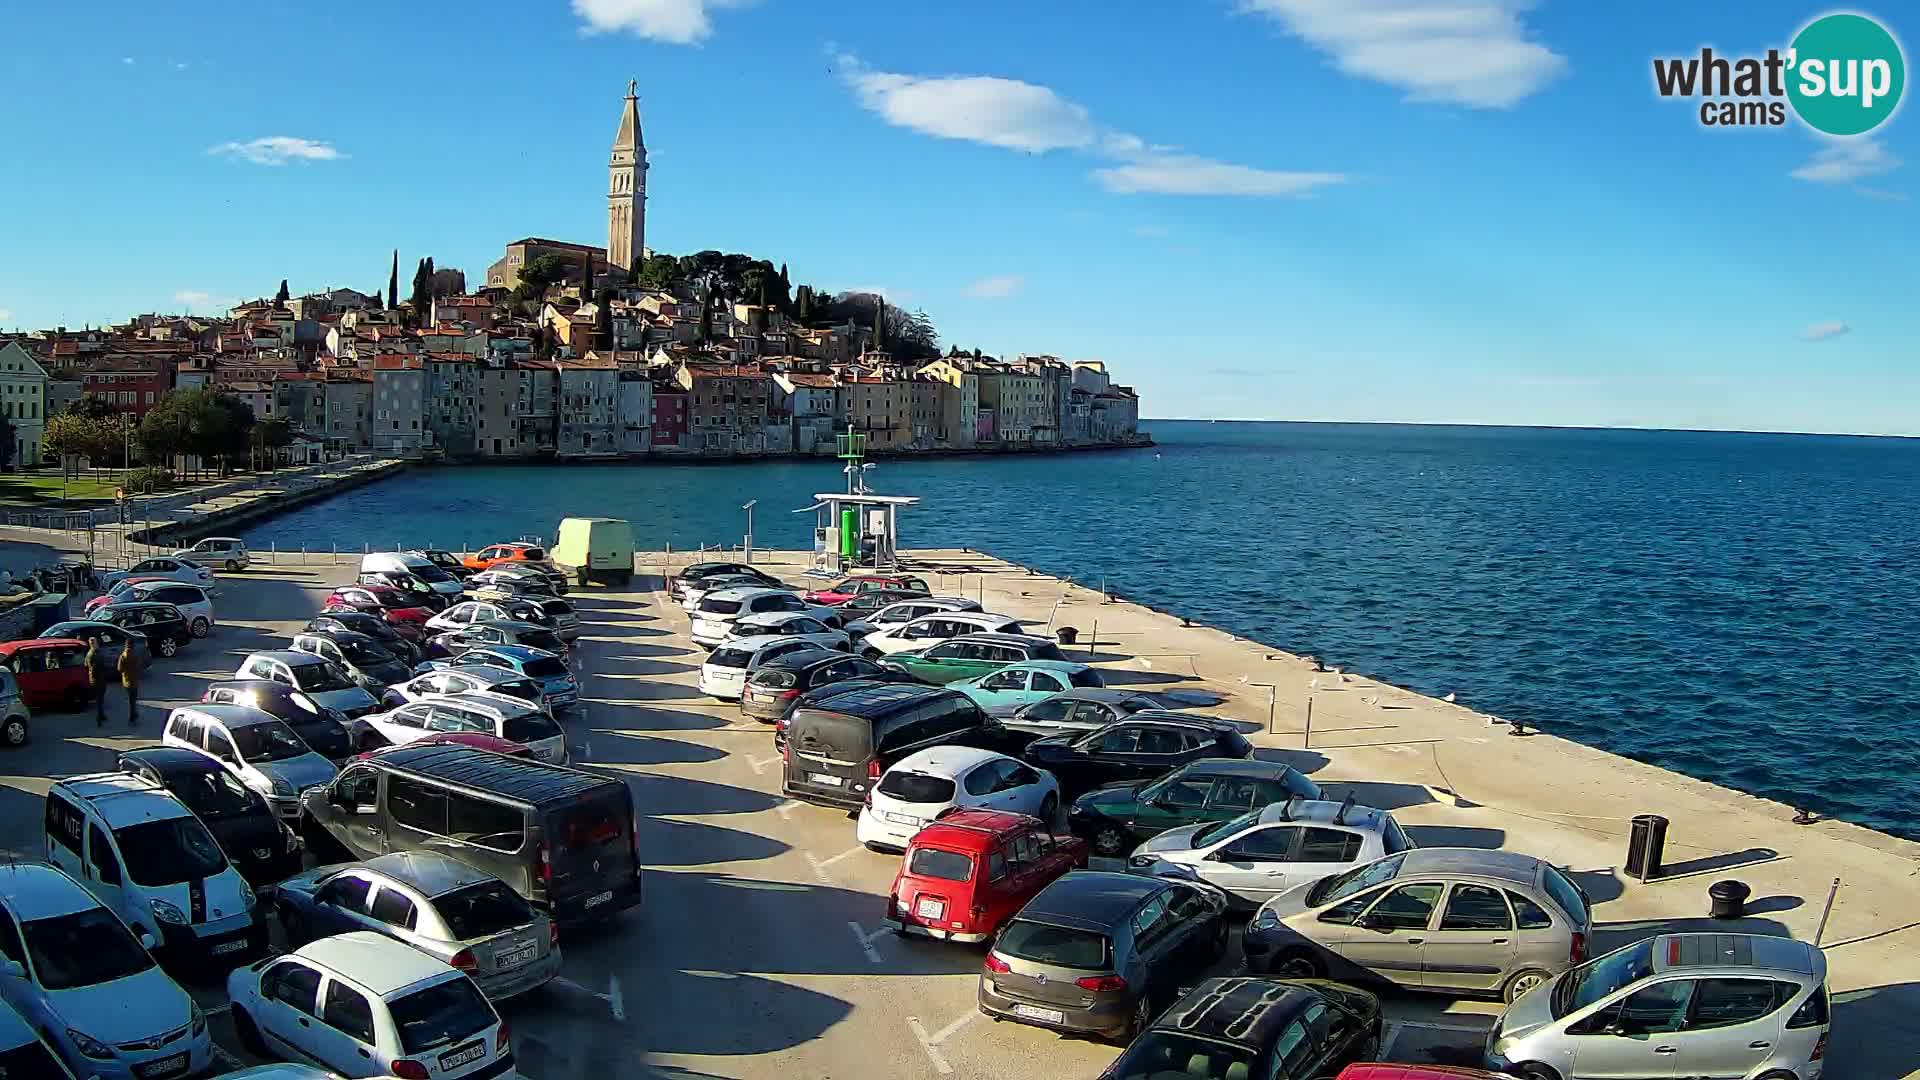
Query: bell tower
[[627, 189]]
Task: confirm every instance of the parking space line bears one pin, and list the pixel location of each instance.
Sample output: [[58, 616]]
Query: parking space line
[[787, 807], [931, 1043], [866, 940], [615, 1001], [759, 765], [820, 865]]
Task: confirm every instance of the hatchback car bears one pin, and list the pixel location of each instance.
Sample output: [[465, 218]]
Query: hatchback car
[[247, 829], [971, 656], [474, 739], [435, 903], [367, 1005], [1115, 819], [164, 627], [967, 873], [15, 719], [321, 728], [401, 639], [257, 748], [194, 601], [1146, 747], [928, 784], [889, 608], [697, 591], [1270, 849], [50, 673], [227, 552], [557, 683], [490, 714], [847, 588], [388, 603], [713, 620], [514, 552], [165, 566], [777, 684], [1078, 710], [313, 676], [1010, 687], [460, 679], [725, 671], [362, 658], [1265, 1028], [1676, 1005], [1102, 954], [677, 584], [474, 635], [118, 591], [112, 638], [1450, 920], [930, 630], [786, 626]]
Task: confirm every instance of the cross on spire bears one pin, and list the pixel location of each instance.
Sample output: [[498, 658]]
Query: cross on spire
[[631, 86]]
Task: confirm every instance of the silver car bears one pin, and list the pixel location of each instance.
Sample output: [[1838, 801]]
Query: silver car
[[1451, 920], [1677, 1005], [1264, 852], [437, 904]]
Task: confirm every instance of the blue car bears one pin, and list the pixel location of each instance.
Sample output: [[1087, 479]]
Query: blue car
[[557, 683], [1027, 682]]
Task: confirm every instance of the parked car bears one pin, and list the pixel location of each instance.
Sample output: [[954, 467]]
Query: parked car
[[1273, 847], [562, 838], [23, 1052], [1244, 1027], [321, 728], [144, 854], [459, 679], [363, 659], [227, 552], [1114, 819], [717, 612], [520, 551], [1382, 1070], [258, 749], [165, 566], [402, 639], [971, 656], [678, 583], [785, 625], [778, 683], [49, 673], [1145, 747], [446, 560], [529, 559], [558, 686], [80, 977], [504, 581], [594, 549], [1452, 920], [390, 604], [928, 630], [927, 784], [1008, 688], [839, 747], [1102, 954], [503, 717], [500, 609], [163, 625], [194, 601], [725, 671], [1077, 711], [849, 587], [887, 608], [241, 821], [313, 676], [418, 593], [119, 590], [415, 566], [1675, 1005], [697, 591], [113, 639], [476, 740], [966, 874], [454, 913], [383, 1008], [15, 720], [475, 635]]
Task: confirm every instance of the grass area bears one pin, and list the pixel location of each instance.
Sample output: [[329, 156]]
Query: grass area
[[43, 489]]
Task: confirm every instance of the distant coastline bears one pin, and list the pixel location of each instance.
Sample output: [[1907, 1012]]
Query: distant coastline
[[1525, 427]]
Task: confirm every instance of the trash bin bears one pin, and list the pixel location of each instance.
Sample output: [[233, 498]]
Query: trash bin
[[1646, 846], [1729, 899], [1067, 635]]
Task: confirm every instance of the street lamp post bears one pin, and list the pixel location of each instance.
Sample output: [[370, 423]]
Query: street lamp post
[[748, 547]]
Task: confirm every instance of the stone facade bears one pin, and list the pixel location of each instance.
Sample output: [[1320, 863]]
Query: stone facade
[[627, 189]]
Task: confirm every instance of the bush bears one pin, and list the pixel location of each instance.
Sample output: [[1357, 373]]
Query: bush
[[147, 479]]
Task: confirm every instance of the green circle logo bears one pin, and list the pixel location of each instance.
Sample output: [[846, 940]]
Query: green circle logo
[[1846, 74]]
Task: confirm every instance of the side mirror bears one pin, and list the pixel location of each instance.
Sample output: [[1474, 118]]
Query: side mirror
[[146, 938], [1370, 921]]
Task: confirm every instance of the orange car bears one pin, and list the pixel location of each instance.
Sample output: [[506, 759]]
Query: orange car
[[518, 551]]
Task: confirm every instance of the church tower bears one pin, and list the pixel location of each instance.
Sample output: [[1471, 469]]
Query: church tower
[[627, 189]]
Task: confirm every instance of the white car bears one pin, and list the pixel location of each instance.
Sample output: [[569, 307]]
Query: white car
[[1270, 849], [501, 609], [225, 551], [259, 749], [315, 676], [724, 675], [75, 973], [923, 785], [194, 601], [933, 629], [497, 715], [698, 590], [901, 612], [800, 625], [22, 1051], [363, 1004], [713, 620], [465, 679], [164, 566]]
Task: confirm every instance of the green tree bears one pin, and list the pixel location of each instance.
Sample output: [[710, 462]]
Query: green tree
[[203, 422], [803, 304], [75, 434], [659, 272], [706, 314], [538, 274], [879, 324], [393, 282], [280, 298], [94, 407], [603, 319], [268, 436], [422, 295]]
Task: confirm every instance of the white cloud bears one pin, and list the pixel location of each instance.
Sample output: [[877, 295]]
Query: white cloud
[[1461, 52], [5, 314], [998, 287], [180, 66], [1187, 174], [278, 150], [1824, 330], [193, 298], [677, 22], [999, 112], [1843, 161]]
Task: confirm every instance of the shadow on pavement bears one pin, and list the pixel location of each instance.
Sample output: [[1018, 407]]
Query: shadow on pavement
[[629, 748], [1378, 794], [1875, 1037], [1465, 836], [1610, 936]]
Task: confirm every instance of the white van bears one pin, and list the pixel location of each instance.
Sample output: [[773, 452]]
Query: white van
[[414, 565], [143, 853]]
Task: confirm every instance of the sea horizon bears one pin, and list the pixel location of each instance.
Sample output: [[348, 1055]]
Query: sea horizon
[[1522, 427]]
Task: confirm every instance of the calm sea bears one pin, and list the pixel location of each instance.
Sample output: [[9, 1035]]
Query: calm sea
[[1738, 607]]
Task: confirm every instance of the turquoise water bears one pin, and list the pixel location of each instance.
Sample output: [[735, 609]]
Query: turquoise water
[[1737, 607]]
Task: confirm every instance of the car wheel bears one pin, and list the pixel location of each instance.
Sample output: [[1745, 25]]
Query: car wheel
[[1109, 841], [1522, 982], [233, 566], [1297, 963], [1137, 1023], [1049, 808], [200, 627], [872, 654], [244, 1027], [14, 731], [1533, 1070], [168, 646]]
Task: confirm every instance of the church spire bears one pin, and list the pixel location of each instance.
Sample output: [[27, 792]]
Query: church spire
[[629, 136], [627, 188]]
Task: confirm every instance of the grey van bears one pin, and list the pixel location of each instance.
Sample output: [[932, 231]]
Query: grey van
[[837, 748], [562, 838]]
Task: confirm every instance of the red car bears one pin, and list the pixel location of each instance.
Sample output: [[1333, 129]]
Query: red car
[[52, 672], [1380, 1070], [475, 739], [968, 872], [396, 607], [846, 589], [121, 590]]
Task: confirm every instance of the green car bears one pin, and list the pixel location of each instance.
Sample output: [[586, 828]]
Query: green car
[[971, 655], [1115, 819]]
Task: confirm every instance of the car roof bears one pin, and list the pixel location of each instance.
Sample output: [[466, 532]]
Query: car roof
[[745, 592], [138, 605], [972, 830], [1385, 1070], [1473, 862], [1022, 640], [377, 962], [432, 873], [256, 686], [338, 637], [40, 643], [878, 699], [806, 659], [521, 653], [285, 656], [123, 799], [501, 704], [234, 716], [524, 779], [771, 618], [1254, 767], [1091, 899], [516, 626], [1323, 812], [1735, 951], [36, 890], [1242, 1011], [80, 624], [949, 761], [166, 583], [172, 760], [486, 673], [1110, 695]]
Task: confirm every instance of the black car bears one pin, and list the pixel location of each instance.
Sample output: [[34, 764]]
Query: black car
[[112, 638], [1266, 1028], [1138, 748], [323, 729], [164, 627], [257, 844], [413, 587], [373, 626], [677, 584], [448, 561], [1081, 709], [774, 689], [838, 745]]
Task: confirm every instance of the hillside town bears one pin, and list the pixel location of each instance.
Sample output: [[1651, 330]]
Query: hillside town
[[571, 351]]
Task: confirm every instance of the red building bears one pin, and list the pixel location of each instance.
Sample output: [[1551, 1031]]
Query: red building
[[669, 416], [130, 384]]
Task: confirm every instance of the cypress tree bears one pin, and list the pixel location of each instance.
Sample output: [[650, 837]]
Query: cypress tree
[[393, 283], [879, 324]]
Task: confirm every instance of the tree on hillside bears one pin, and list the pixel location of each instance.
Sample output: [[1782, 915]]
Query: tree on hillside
[[706, 315], [917, 338], [422, 296], [393, 282], [803, 304], [658, 272], [447, 281], [537, 274], [880, 326], [92, 406], [280, 298]]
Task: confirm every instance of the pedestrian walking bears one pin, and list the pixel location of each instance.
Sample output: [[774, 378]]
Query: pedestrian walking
[[130, 678], [97, 679]]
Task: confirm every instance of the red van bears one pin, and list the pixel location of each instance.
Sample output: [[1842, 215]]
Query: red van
[[966, 874], [52, 672]]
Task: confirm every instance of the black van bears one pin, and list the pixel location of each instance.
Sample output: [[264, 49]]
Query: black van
[[562, 838], [838, 745]]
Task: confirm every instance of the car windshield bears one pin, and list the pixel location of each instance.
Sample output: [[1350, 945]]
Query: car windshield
[[1224, 829], [268, 742], [516, 688], [215, 795], [477, 911], [916, 787], [319, 678], [82, 949], [364, 652], [169, 852], [545, 667], [542, 639], [1166, 1055], [1597, 978], [945, 865], [1060, 946], [528, 727], [720, 607], [445, 1012], [1341, 886], [728, 657], [426, 571]]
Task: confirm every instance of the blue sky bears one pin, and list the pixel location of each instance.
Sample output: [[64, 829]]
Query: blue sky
[[1405, 210]]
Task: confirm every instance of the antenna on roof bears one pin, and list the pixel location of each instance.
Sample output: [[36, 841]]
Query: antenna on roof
[[1346, 804], [1286, 808]]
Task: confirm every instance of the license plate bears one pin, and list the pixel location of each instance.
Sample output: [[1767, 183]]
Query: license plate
[[599, 898], [1051, 1016], [903, 819], [515, 958], [164, 1067], [466, 1055], [226, 947], [930, 909], [823, 778]]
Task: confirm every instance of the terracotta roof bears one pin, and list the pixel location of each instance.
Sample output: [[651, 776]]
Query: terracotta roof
[[808, 378], [396, 362], [247, 387]]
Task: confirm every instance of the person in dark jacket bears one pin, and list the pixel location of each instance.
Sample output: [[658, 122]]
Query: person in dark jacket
[[97, 676], [130, 678]]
